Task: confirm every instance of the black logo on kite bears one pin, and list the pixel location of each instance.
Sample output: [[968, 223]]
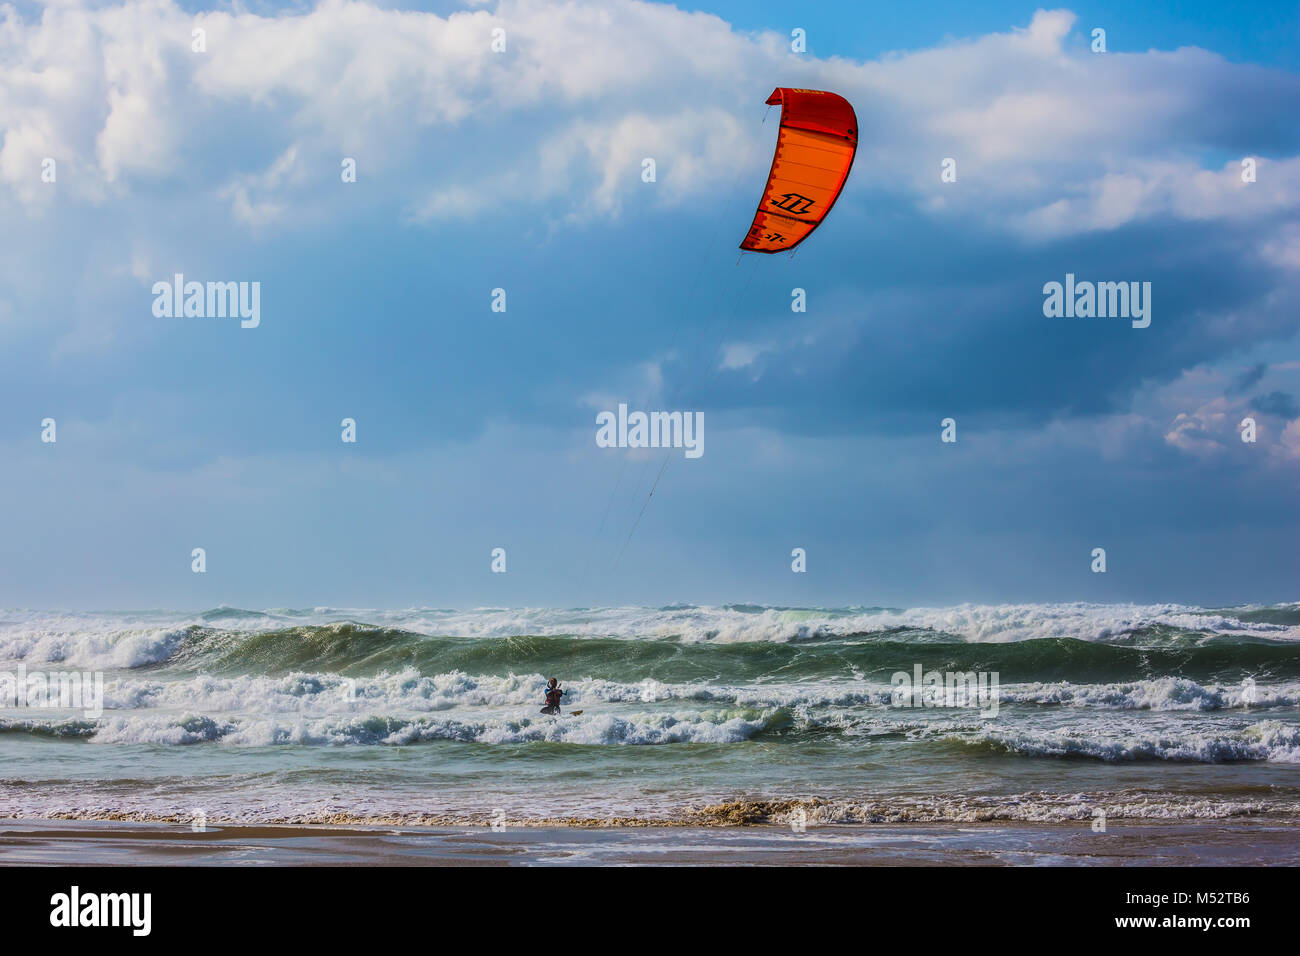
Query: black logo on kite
[[774, 237], [793, 202]]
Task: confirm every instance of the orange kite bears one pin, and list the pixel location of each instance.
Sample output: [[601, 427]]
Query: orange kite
[[814, 153]]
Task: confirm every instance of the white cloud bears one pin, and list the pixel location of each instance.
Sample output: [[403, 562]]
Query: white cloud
[[1284, 248], [1204, 431], [1212, 427], [1289, 441], [737, 355], [1179, 189], [252, 196], [1049, 138]]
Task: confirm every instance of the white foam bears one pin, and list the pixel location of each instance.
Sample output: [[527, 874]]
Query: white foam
[[1268, 740], [408, 691], [718, 727]]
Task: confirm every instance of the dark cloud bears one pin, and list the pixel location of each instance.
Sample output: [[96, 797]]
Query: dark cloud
[[918, 334], [1247, 380], [1281, 404]]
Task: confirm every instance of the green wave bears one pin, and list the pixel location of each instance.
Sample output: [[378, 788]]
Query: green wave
[[363, 650]]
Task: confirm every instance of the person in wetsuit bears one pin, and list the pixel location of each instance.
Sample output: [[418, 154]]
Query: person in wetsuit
[[553, 697]]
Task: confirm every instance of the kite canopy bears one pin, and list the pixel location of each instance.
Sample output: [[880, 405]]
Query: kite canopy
[[814, 153]]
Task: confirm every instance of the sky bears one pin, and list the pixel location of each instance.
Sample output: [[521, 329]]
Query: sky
[[522, 170]]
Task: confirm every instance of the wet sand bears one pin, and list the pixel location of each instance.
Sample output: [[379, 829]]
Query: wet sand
[[29, 842]]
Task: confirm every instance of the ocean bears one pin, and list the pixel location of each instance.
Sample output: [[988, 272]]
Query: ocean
[[691, 716]]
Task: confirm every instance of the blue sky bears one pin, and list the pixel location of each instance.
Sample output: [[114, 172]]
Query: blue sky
[[521, 170]]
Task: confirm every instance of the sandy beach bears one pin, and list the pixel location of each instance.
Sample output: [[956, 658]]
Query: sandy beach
[[73, 842]]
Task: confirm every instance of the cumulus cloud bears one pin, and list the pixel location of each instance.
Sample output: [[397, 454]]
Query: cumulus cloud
[[1203, 431], [1181, 190], [1214, 427], [1054, 145], [1050, 139]]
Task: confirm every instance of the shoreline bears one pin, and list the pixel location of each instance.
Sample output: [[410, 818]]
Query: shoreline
[[1048, 809], [43, 841]]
